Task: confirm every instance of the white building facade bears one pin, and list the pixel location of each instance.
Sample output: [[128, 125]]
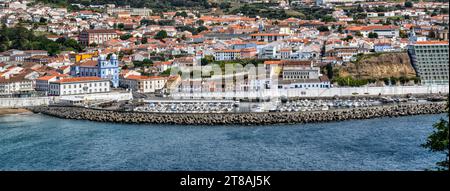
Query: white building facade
[[79, 85]]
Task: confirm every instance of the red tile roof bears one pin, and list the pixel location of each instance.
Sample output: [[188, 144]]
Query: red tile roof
[[268, 34], [136, 77], [101, 31], [373, 27], [89, 63], [432, 42], [272, 62], [46, 78], [79, 79]]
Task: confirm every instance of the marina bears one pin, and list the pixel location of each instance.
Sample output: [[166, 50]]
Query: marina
[[188, 106], [277, 105]]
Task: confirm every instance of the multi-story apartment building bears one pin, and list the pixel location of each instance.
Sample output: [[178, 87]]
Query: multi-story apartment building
[[79, 85], [106, 69], [20, 55], [227, 54], [269, 37], [132, 11], [143, 84], [388, 31], [42, 83], [15, 85], [295, 74], [300, 70], [430, 60], [97, 36]]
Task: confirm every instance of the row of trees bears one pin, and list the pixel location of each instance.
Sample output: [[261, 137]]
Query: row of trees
[[192, 30], [161, 5], [353, 82], [144, 63], [147, 22], [262, 10]]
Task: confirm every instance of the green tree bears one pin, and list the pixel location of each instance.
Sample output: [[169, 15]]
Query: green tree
[[431, 34], [408, 4], [201, 29], [403, 34], [182, 14], [403, 79], [200, 22], [329, 71], [328, 18], [225, 5], [125, 36], [358, 33], [73, 8], [144, 40], [71, 43], [373, 35], [53, 49], [394, 80], [340, 29], [148, 22], [43, 20], [323, 28], [121, 26], [165, 72], [349, 37], [147, 62], [207, 60], [438, 141], [161, 35], [166, 22], [24, 39]]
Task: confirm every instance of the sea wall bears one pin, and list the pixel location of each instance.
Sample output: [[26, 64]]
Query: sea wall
[[241, 118], [26, 102], [316, 92]]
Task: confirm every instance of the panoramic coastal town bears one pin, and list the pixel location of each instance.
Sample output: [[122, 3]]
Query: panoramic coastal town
[[294, 61]]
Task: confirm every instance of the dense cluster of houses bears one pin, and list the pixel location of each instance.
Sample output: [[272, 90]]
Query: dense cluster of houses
[[292, 49]]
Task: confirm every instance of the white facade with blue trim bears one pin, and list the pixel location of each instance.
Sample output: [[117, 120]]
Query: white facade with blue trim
[[106, 69]]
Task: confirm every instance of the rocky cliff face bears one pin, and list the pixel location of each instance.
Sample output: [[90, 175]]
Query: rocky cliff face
[[379, 66]]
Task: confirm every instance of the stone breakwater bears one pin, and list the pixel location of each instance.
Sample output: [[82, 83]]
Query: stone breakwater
[[241, 118]]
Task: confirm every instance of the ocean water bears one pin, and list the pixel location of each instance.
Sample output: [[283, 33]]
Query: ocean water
[[39, 142]]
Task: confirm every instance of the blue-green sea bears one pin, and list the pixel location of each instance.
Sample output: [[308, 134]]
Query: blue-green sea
[[39, 142]]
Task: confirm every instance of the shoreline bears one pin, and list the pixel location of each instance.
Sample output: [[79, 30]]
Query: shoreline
[[9, 111], [264, 118]]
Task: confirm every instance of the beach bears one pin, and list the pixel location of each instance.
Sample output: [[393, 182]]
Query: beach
[[5, 111]]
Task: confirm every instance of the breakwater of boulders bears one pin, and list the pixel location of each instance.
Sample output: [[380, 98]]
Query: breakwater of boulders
[[241, 118]]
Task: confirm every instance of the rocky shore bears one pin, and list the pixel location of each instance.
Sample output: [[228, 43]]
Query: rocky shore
[[242, 118]]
